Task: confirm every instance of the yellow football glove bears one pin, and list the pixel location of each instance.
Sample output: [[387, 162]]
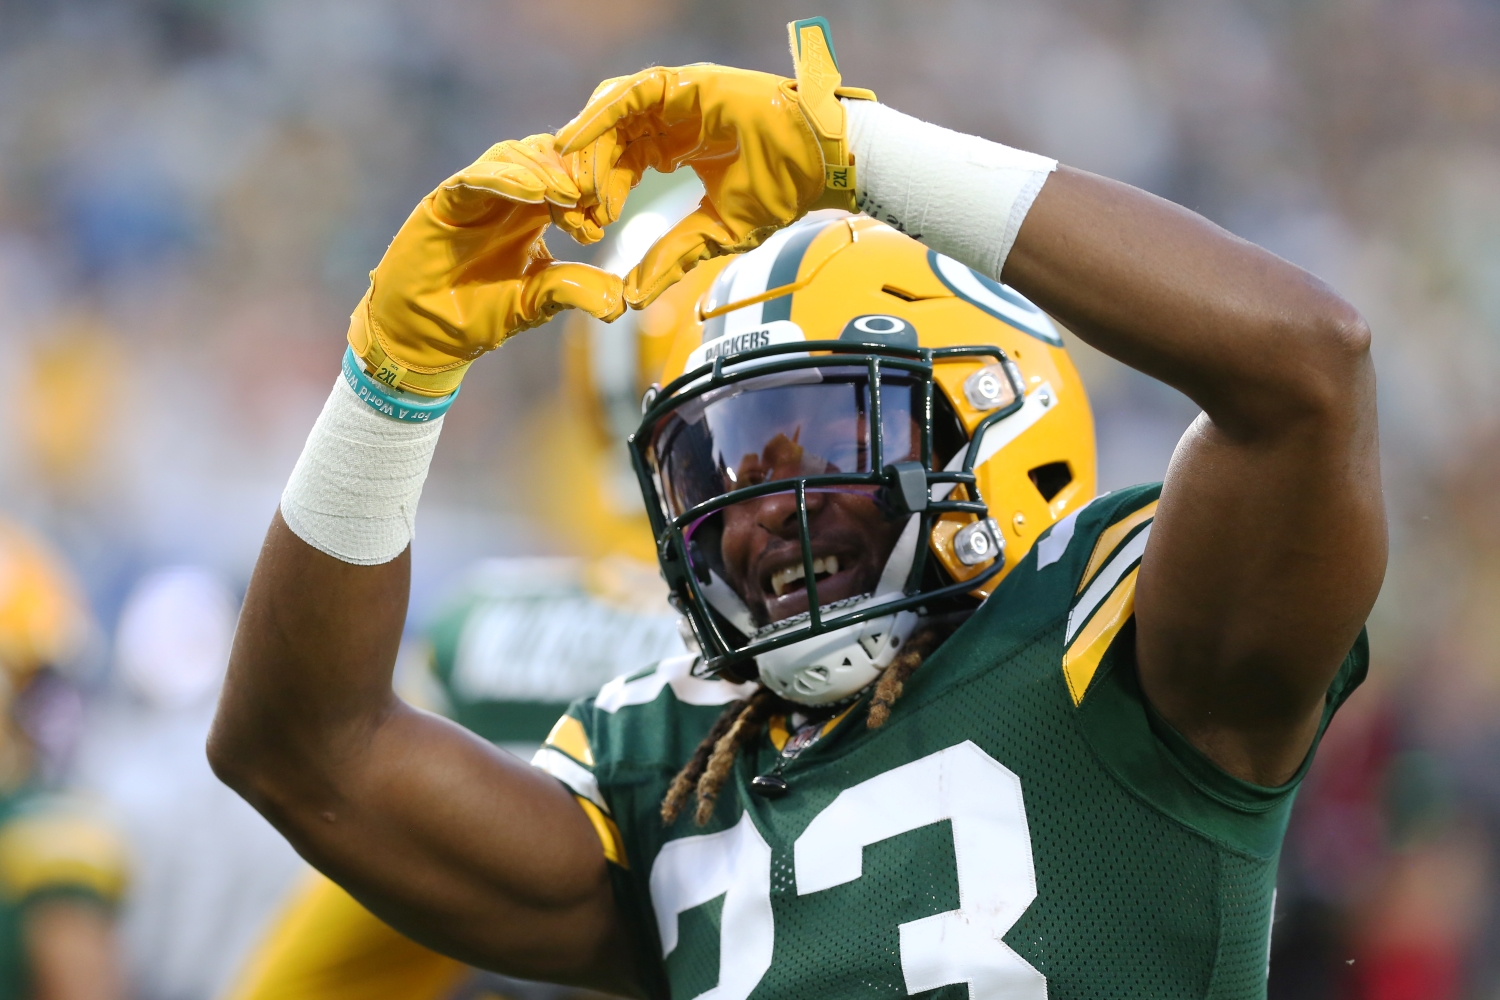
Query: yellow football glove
[[767, 149], [604, 183], [468, 269]]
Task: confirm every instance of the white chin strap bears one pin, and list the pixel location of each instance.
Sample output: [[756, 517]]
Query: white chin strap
[[835, 665], [832, 666]]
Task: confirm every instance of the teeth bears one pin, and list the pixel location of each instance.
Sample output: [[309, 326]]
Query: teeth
[[783, 578]]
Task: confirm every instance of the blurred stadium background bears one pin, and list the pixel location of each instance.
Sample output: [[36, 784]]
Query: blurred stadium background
[[191, 193]]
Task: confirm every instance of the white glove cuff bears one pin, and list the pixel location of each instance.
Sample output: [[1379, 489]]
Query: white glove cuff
[[961, 195], [354, 491]]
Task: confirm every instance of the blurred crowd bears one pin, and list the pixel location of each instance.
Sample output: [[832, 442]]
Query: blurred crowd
[[192, 192]]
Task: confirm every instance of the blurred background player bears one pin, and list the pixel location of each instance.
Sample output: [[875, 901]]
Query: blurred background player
[[521, 638], [207, 873], [62, 867]]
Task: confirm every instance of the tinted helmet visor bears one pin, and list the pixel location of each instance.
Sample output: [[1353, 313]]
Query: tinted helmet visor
[[814, 430], [813, 422]]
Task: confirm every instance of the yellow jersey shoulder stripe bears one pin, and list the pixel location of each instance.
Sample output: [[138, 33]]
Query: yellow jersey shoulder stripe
[[571, 773], [1110, 539], [1081, 660], [1106, 598], [568, 735], [1105, 581], [609, 833], [566, 745]]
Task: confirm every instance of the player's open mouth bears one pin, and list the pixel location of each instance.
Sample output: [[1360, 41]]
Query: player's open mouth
[[795, 577], [784, 586]]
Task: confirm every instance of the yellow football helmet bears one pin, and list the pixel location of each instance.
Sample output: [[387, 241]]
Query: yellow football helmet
[[43, 623], [839, 372], [42, 617]]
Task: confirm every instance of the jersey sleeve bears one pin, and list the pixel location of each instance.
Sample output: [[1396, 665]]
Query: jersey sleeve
[[59, 845], [568, 755], [1103, 577], [1099, 673], [617, 751]]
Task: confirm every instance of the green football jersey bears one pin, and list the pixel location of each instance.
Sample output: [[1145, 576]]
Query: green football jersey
[[521, 638], [1024, 826]]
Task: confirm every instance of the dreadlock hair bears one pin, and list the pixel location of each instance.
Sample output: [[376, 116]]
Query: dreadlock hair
[[705, 771], [741, 723], [893, 681]]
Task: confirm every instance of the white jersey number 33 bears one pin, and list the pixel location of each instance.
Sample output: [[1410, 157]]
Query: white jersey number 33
[[991, 843]]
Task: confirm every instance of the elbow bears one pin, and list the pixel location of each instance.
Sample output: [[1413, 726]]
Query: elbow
[[1305, 371], [1326, 370], [228, 756], [280, 769], [253, 772], [1344, 337], [242, 757]]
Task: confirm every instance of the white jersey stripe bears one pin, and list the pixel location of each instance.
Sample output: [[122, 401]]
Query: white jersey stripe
[[571, 773], [675, 672], [1038, 404], [1128, 555]]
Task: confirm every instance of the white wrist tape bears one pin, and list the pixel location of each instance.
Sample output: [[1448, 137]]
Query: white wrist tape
[[354, 491], [961, 195]]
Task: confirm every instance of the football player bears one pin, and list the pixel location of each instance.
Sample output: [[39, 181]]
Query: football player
[[62, 864], [950, 725]]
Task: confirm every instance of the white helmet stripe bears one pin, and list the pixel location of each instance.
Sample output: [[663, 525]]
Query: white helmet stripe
[[772, 264], [1039, 403]]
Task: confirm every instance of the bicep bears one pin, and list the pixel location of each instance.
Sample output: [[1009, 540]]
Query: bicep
[[451, 841], [468, 850], [1266, 555]]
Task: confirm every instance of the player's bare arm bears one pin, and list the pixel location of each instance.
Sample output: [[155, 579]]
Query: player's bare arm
[[444, 836], [1269, 544]]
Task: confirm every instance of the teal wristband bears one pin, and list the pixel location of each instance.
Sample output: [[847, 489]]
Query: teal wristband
[[408, 407]]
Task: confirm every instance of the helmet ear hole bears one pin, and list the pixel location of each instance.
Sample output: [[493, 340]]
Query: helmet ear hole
[[1050, 479], [948, 434]]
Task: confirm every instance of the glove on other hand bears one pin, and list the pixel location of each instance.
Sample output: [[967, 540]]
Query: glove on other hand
[[468, 270], [767, 149]]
